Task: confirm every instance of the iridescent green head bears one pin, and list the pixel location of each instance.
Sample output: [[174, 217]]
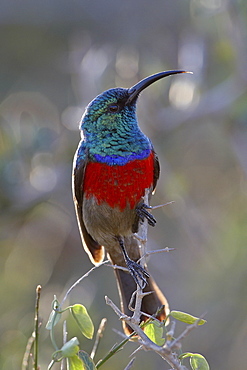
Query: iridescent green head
[[109, 125], [118, 105]]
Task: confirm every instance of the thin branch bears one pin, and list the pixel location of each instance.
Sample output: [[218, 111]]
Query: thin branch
[[78, 282], [142, 295], [136, 350], [143, 229], [118, 267], [33, 340], [36, 328], [99, 335], [27, 353], [149, 253], [162, 205], [129, 320], [114, 350], [142, 235], [65, 337], [130, 364], [115, 308]]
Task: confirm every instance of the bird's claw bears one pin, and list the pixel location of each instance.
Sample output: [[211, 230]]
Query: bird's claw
[[143, 213], [138, 273]]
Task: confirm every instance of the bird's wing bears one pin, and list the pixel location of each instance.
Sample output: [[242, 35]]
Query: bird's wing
[[156, 170], [94, 250]]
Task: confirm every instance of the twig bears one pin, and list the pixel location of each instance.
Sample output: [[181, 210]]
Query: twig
[[130, 364], [98, 336], [143, 229], [170, 335], [136, 350], [129, 320], [115, 308], [114, 350], [142, 295], [27, 353], [166, 249], [162, 205], [118, 267], [142, 235], [78, 282], [36, 329], [33, 340], [65, 335]]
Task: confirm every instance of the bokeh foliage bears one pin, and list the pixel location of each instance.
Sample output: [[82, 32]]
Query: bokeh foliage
[[55, 57]]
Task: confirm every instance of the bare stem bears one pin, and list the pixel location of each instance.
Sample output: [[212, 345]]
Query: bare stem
[[130, 364], [65, 336], [78, 282], [27, 353], [163, 205], [142, 236], [99, 335], [36, 328]]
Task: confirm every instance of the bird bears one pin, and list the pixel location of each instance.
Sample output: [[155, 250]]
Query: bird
[[113, 165]]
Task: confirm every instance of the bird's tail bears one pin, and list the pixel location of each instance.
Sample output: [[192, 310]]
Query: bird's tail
[[150, 303]]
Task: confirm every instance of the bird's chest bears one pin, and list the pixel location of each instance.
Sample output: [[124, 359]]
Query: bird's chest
[[118, 185]]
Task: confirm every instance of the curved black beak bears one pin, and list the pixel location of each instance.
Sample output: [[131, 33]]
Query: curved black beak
[[135, 90]]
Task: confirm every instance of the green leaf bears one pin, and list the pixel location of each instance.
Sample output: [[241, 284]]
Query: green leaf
[[53, 319], [87, 361], [155, 332], [74, 363], [79, 312], [198, 362], [185, 317], [70, 348]]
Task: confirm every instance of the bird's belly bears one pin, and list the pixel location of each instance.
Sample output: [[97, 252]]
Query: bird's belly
[[119, 186], [104, 223]]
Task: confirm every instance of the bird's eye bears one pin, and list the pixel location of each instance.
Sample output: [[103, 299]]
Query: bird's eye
[[113, 108]]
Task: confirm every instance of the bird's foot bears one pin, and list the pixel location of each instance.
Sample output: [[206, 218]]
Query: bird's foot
[[138, 273], [143, 213]]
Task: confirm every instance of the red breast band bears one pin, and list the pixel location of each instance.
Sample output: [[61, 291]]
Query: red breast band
[[119, 185]]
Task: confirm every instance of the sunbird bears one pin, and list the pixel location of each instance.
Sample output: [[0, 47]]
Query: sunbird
[[113, 165]]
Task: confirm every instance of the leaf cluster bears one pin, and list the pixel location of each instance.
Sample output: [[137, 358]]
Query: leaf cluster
[[78, 359]]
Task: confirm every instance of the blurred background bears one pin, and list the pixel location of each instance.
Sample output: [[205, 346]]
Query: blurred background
[[55, 57]]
